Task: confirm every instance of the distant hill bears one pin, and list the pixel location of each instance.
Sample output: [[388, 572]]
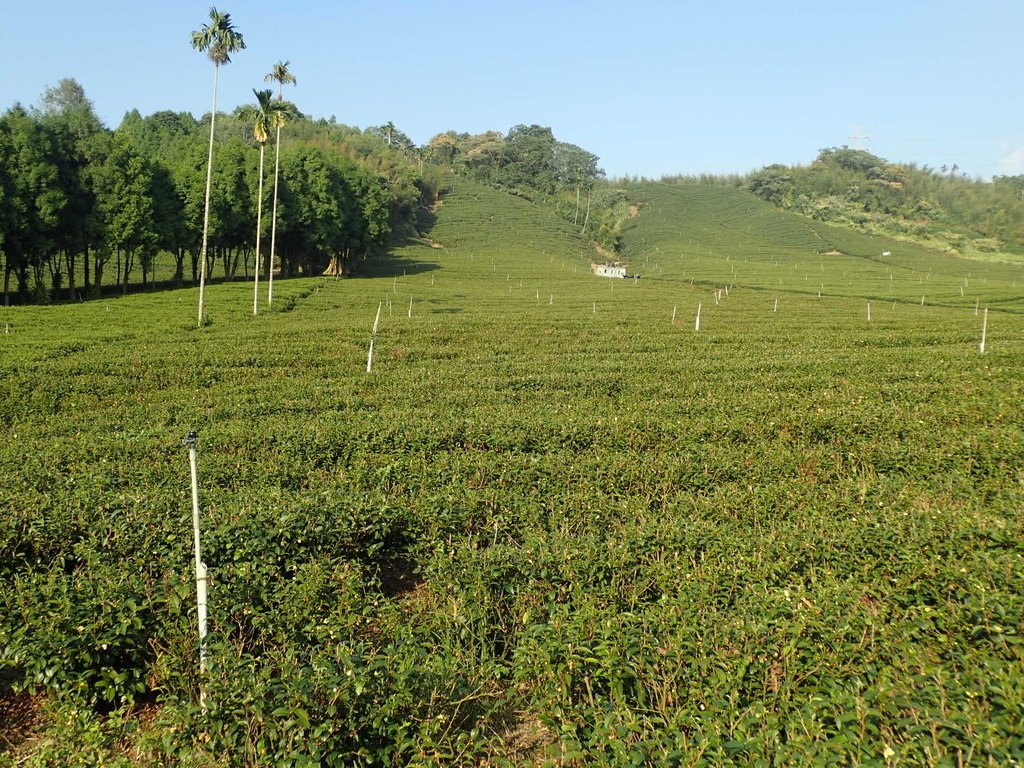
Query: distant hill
[[939, 208], [680, 231]]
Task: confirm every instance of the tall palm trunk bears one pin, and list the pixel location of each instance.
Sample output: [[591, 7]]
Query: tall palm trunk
[[273, 221], [259, 226], [206, 212]]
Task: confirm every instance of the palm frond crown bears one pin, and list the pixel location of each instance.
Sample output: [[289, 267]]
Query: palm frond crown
[[265, 115], [280, 74], [219, 38]]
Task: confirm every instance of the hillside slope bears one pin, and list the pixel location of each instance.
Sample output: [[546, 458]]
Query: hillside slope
[[724, 235]]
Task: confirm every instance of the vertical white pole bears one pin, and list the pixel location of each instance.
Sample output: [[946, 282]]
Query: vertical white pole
[[192, 441], [869, 311], [206, 209], [696, 324], [376, 320], [776, 309], [273, 221], [410, 306], [595, 307], [369, 357], [984, 330], [976, 302], [674, 307], [259, 226]]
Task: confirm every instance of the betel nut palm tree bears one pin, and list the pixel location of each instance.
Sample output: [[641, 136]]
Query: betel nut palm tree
[[281, 75], [264, 116], [218, 39]]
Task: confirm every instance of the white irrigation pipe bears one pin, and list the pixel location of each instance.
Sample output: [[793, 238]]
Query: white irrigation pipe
[[192, 441]]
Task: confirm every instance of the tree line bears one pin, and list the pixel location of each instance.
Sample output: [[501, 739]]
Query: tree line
[[85, 207]]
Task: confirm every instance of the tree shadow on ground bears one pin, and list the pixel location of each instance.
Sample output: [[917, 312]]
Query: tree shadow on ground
[[390, 265]]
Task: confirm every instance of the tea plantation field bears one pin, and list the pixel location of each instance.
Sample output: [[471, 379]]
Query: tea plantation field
[[555, 524]]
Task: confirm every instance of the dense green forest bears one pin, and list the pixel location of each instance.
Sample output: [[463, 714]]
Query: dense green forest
[[82, 201]]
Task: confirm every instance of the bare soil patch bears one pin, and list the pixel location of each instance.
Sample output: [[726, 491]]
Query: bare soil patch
[[20, 716]]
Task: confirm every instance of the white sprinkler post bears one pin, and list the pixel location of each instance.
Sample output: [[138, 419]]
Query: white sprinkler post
[[192, 441], [984, 331]]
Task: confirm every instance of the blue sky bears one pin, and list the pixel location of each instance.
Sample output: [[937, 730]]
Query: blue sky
[[653, 88]]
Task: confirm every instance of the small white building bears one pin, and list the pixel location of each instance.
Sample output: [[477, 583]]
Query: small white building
[[609, 270]]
